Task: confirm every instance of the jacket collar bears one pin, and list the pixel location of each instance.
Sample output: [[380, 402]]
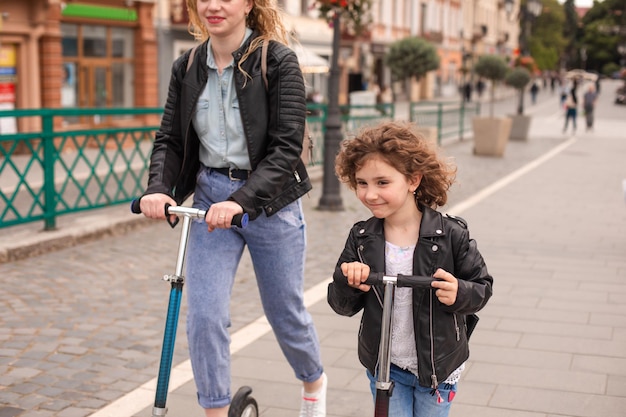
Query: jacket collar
[[431, 225], [203, 48]]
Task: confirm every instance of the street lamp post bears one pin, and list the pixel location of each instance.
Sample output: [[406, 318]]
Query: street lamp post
[[532, 10], [331, 196], [621, 50]]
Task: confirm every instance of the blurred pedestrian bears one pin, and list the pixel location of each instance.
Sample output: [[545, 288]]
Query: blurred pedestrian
[[480, 87], [565, 90], [534, 89], [589, 105], [571, 106], [467, 92], [235, 142]]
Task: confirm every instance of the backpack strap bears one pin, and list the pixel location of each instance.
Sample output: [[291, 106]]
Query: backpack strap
[[191, 56]]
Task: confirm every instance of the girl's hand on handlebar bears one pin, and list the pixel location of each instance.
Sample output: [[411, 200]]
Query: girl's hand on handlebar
[[220, 215], [446, 286], [356, 273], [153, 206]]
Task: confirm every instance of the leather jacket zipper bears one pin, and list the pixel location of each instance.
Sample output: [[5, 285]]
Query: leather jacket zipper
[[376, 293], [433, 377]]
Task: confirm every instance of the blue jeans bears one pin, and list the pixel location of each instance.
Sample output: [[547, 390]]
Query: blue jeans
[[277, 248], [570, 114], [409, 399]]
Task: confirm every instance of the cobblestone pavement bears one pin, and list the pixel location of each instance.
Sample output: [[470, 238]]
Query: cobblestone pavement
[[82, 326]]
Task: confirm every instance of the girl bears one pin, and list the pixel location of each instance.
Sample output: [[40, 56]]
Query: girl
[[399, 178], [236, 145]]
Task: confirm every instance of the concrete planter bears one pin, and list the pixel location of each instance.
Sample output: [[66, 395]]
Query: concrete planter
[[520, 127], [491, 134]]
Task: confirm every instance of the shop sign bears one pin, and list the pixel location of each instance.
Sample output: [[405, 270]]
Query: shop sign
[[8, 73]]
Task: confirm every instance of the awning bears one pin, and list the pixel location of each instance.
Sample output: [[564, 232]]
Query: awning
[[310, 62], [581, 75]]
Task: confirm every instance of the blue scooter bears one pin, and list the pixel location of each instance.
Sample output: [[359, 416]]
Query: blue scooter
[[242, 404]]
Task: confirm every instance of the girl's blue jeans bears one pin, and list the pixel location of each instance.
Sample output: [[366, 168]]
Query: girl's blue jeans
[[277, 249], [409, 399]]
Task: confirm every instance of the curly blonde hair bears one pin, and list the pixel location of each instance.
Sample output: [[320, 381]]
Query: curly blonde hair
[[265, 17], [402, 147]]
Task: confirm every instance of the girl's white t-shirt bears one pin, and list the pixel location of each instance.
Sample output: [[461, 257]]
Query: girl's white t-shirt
[[399, 260]]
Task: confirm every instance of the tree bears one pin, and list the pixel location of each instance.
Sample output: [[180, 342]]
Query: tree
[[571, 33], [603, 31], [493, 68], [546, 41], [411, 57], [518, 78]]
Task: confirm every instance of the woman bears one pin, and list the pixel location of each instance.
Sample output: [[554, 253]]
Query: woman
[[236, 145]]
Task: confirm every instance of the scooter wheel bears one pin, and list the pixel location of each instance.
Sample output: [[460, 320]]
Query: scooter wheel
[[243, 405]]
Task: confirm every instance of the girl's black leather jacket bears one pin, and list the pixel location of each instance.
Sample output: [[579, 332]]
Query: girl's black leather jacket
[[441, 332], [273, 123]]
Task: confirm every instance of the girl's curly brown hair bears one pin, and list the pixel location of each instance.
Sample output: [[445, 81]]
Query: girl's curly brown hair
[[402, 147]]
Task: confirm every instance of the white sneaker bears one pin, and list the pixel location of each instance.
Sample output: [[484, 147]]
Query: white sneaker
[[314, 404]]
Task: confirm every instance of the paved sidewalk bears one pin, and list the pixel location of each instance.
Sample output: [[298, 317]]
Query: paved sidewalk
[[81, 327], [551, 342]]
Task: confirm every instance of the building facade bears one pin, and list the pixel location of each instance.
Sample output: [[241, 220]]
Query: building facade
[[79, 54], [118, 53], [489, 27]]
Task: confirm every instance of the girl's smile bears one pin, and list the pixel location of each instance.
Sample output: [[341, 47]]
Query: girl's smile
[[384, 190]]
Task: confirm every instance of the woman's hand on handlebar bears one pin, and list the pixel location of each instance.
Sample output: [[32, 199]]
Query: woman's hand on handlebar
[[153, 206], [446, 287], [220, 215], [356, 273]]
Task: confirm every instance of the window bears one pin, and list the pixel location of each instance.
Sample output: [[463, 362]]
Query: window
[[98, 66]]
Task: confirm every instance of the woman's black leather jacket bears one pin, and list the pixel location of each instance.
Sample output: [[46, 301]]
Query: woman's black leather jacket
[[273, 123], [441, 332]]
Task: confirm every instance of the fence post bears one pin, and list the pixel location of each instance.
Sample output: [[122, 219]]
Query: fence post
[[439, 122], [49, 160], [462, 119]]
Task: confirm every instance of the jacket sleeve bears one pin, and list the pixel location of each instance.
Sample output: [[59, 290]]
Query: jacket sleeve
[[475, 282], [285, 132], [167, 152], [342, 298]]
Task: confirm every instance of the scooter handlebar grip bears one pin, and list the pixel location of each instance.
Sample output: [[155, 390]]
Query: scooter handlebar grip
[[240, 220], [374, 278], [414, 281], [135, 207]]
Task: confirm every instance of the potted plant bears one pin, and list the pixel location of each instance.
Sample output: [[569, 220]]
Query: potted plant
[[412, 58], [519, 78], [491, 134], [356, 15]]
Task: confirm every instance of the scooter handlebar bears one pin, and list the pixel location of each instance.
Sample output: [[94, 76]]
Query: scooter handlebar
[[414, 281], [238, 220]]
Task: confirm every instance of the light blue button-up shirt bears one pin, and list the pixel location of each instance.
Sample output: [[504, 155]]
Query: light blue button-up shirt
[[217, 119]]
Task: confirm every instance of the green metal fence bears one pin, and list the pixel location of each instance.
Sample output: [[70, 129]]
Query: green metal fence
[[55, 171], [51, 172], [451, 119]]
